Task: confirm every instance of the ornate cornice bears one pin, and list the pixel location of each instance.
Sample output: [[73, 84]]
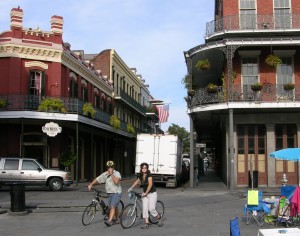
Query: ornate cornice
[[30, 52]]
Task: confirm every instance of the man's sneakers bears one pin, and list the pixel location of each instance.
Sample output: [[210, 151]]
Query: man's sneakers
[[108, 223], [145, 226]]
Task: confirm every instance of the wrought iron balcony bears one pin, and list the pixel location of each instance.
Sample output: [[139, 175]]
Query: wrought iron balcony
[[21, 102], [268, 93], [253, 22], [121, 94]]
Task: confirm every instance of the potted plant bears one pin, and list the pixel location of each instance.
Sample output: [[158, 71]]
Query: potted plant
[[130, 128], [191, 92], [203, 64], [66, 159], [212, 88], [256, 87], [186, 80], [88, 110], [273, 60], [52, 104], [115, 122], [3, 103], [288, 86]]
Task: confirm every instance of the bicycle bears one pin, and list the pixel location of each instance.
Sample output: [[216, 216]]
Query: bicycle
[[130, 212], [98, 204]]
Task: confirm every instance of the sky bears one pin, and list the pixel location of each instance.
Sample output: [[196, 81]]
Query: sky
[[149, 35]]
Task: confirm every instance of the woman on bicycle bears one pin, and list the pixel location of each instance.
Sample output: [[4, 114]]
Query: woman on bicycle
[[149, 195]]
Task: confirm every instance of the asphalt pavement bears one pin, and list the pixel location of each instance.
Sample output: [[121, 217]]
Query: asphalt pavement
[[205, 210]]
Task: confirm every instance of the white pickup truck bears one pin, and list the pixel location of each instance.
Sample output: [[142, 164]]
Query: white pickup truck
[[31, 172], [163, 154]]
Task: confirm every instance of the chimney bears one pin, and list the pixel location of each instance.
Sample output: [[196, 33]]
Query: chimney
[[16, 18], [57, 23]]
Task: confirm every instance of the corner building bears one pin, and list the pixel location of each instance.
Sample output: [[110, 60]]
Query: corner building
[[37, 65], [242, 106]]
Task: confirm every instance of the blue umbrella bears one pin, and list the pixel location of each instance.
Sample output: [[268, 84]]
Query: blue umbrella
[[288, 154]]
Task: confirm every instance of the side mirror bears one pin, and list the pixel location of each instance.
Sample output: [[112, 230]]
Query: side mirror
[[39, 169]]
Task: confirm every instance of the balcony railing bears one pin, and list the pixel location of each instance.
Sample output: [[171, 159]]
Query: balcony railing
[[124, 96], [20, 102], [268, 93], [253, 22]]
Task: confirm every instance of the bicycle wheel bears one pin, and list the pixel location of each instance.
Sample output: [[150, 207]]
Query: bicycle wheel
[[89, 214], [160, 208], [128, 216]]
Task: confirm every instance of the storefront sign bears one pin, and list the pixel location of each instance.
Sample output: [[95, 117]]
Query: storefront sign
[[51, 129]]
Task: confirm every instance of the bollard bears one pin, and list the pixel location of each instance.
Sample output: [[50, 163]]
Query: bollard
[[17, 197]]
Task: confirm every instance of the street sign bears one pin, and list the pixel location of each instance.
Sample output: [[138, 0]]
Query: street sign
[[200, 145]]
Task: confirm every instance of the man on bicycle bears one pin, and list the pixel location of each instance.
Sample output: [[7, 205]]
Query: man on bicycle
[[111, 178]]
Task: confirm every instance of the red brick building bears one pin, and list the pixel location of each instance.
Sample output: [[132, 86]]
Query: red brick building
[[251, 106], [36, 65]]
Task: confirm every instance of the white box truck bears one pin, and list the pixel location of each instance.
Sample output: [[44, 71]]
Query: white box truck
[[163, 154]]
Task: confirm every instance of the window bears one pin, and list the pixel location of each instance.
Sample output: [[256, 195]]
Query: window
[[282, 14], [36, 83], [85, 96], [248, 14], [73, 89], [11, 165], [97, 101], [29, 165], [249, 70], [285, 71]]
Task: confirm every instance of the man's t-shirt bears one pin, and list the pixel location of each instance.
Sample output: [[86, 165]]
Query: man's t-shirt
[[110, 186]]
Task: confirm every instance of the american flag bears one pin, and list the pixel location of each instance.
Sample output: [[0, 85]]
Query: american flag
[[163, 113]]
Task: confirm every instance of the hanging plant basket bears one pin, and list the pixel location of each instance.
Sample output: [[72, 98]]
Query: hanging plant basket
[[203, 64], [288, 87], [212, 88], [191, 92], [273, 60], [256, 87]]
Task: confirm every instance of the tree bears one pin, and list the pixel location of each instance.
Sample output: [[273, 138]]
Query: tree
[[182, 134]]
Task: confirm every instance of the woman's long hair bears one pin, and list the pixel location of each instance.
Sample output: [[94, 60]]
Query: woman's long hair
[[141, 166]]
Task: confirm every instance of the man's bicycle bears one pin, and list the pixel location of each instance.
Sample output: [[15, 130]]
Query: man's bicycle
[[130, 213], [98, 204]]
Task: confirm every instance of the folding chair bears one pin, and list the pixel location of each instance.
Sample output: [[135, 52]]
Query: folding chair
[[234, 227], [285, 205], [255, 209]]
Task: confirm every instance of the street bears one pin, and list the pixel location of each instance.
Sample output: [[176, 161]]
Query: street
[[198, 211]]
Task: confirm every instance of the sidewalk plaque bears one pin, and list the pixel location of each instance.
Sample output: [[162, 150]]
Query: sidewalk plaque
[[51, 129]]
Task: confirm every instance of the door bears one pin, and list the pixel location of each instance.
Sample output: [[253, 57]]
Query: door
[[31, 172], [251, 149], [285, 136]]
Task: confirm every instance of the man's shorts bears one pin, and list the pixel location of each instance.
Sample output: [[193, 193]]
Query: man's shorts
[[114, 199]]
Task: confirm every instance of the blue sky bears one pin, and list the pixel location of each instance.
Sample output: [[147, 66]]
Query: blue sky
[[149, 35]]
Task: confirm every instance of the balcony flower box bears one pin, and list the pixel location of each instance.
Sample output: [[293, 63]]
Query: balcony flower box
[[256, 87], [3, 103], [288, 87], [203, 64], [52, 105], [273, 60], [130, 128], [88, 110], [115, 122], [212, 88]]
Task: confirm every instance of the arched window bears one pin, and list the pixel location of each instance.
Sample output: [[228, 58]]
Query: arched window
[[73, 89]]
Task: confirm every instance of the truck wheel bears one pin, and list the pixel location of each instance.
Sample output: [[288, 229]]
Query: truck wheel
[[56, 184]]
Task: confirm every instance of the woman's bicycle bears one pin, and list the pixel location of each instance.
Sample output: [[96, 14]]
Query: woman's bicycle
[[130, 213], [98, 204]]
